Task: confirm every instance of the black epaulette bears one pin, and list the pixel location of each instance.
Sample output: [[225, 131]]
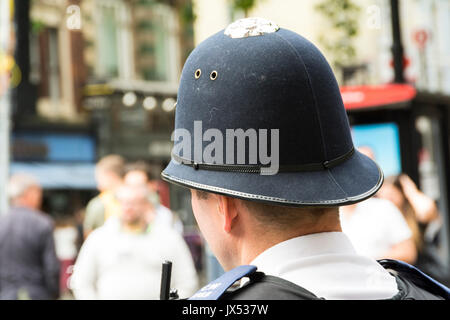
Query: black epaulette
[[413, 284], [266, 287], [259, 286]]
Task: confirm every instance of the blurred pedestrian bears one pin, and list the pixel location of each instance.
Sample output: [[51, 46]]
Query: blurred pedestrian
[[66, 244], [403, 192], [140, 173], [29, 267], [377, 227], [109, 175], [123, 258], [423, 217]]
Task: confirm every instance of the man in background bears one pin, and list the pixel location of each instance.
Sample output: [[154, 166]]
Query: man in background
[[108, 174], [29, 267], [123, 258], [140, 173]]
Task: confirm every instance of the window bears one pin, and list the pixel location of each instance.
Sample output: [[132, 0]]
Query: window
[[114, 39], [157, 46], [107, 43], [44, 61], [432, 173], [137, 40]]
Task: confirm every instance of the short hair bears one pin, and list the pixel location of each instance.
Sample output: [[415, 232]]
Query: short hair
[[281, 216], [202, 194], [278, 215], [112, 163], [142, 166], [19, 183]]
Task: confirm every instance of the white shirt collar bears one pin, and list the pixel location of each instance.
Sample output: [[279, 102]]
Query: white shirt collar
[[315, 244], [327, 265]]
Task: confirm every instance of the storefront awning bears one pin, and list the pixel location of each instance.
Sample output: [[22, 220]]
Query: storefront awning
[[58, 175], [365, 97]]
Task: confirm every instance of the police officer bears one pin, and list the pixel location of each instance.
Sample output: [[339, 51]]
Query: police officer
[[263, 142]]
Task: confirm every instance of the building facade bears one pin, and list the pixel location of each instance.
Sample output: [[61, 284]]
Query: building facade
[[424, 26], [98, 77]]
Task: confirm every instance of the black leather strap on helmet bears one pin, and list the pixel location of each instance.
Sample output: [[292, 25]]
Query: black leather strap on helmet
[[257, 168]]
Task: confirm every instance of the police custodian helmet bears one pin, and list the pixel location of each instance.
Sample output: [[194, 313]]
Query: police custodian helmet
[[276, 88]]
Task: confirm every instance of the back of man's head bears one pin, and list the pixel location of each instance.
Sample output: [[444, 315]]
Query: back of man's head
[[282, 218], [109, 172], [112, 163], [278, 218], [141, 168], [24, 190]]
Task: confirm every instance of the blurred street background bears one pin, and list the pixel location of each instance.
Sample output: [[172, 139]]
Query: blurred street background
[[83, 79]]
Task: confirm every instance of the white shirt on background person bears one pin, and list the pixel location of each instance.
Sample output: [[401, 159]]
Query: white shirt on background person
[[117, 265], [375, 226]]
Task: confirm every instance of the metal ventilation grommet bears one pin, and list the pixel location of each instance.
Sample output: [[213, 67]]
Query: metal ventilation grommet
[[213, 75]]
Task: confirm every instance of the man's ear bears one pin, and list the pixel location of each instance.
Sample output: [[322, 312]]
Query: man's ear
[[229, 212]]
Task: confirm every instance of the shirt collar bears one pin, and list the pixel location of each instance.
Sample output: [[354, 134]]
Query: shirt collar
[[316, 244]]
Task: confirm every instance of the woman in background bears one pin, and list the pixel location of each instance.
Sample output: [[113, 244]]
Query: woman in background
[[422, 215], [419, 209]]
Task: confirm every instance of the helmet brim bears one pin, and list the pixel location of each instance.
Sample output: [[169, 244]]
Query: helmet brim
[[352, 181]]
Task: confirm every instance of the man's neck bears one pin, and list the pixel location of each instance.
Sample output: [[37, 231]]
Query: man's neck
[[253, 248]]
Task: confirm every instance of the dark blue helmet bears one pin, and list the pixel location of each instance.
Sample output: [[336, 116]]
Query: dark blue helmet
[[259, 116]]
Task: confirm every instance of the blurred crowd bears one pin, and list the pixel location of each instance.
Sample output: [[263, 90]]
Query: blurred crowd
[[115, 251], [116, 248]]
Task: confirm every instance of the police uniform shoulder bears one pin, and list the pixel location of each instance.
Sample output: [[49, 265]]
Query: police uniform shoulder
[[259, 287], [267, 287], [413, 283], [215, 289]]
